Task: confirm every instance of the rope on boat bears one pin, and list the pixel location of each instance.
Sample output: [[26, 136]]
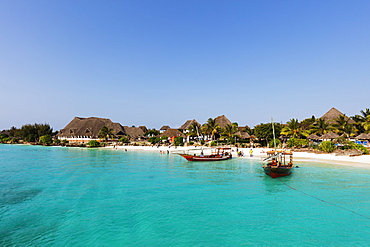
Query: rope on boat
[[335, 205]]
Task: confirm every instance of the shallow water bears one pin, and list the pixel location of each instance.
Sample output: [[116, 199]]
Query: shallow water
[[53, 196]]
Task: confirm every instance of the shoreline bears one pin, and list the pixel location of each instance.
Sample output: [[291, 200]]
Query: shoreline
[[259, 153]]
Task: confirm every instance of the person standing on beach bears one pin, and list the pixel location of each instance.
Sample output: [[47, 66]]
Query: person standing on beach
[[251, 153]]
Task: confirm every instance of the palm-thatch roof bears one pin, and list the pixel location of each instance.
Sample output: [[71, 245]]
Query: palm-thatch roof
[[89, 127], [172, 133], [133, 132], [222, 121], [144, 128], [313, 137], [165, 127], [329, 135], [243, 134], [333, 114], [187, 124], [363, 136]]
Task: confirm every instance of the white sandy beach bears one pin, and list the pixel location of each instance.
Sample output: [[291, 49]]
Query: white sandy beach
[[258, 153]]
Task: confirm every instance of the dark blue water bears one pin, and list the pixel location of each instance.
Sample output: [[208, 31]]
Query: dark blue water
[[53, 196]]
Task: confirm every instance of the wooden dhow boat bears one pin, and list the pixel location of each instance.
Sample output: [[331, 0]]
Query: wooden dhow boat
[[217, 155], [278, 163]]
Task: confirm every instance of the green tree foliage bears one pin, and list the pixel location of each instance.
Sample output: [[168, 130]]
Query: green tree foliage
[[213, 143], [297, 143], [106, 133], [46, 139], [366, 124], [5, 139], [194, 130], [211, 128], [342, 126], [327, 146], [264, 131], [229, 131], [123, 139], [359, 147], [321, 127], [307, 123], [179, 141], [360, 119], [93, 143], [164, 138], [293, 129], [154, 140], [32, 132], [152, 132], [277, 143]]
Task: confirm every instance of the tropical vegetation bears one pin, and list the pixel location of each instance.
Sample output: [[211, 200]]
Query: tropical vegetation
[[293, 134]]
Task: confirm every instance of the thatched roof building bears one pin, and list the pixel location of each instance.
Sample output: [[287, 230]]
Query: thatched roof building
[[243, 135], [172, 133], [164, 128], [133, 132], [88, 128], [222, 121], [333, 114], [144, 128], [187, 124]]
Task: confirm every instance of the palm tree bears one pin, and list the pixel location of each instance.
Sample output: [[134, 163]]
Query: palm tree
[[293, 129], [342, 126], [194, 130], [211, 128], [366, 124], [321, 127], [106, 133], [361, 120], [229, 131]]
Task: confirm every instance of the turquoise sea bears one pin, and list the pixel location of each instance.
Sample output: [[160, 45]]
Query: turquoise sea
[[57, 196]]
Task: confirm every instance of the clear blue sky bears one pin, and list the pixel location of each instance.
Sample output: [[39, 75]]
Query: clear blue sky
[[160, 62]]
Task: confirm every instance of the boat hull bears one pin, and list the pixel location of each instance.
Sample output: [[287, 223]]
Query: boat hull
[[205, 157], [276, 172]]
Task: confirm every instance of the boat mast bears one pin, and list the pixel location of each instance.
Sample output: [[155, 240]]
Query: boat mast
[[273, 132]]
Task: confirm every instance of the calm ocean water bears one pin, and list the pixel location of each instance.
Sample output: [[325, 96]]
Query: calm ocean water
[[52, 196]]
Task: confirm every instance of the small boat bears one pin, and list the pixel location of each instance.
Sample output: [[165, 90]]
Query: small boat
[[217, 155], [278, 163]]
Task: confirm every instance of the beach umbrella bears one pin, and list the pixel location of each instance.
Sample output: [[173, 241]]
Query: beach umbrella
[[313, 137], [329, 135], [363, 136]]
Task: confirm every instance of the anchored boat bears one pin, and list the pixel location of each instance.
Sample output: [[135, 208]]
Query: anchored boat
[[278, 163], [217, 155]]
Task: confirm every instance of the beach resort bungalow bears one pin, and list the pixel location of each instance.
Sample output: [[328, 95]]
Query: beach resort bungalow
[[222, 121], [332, 115], [172, 134], [134, 134], [83, 130], [144, 128], [164, 128], [185, 129]]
